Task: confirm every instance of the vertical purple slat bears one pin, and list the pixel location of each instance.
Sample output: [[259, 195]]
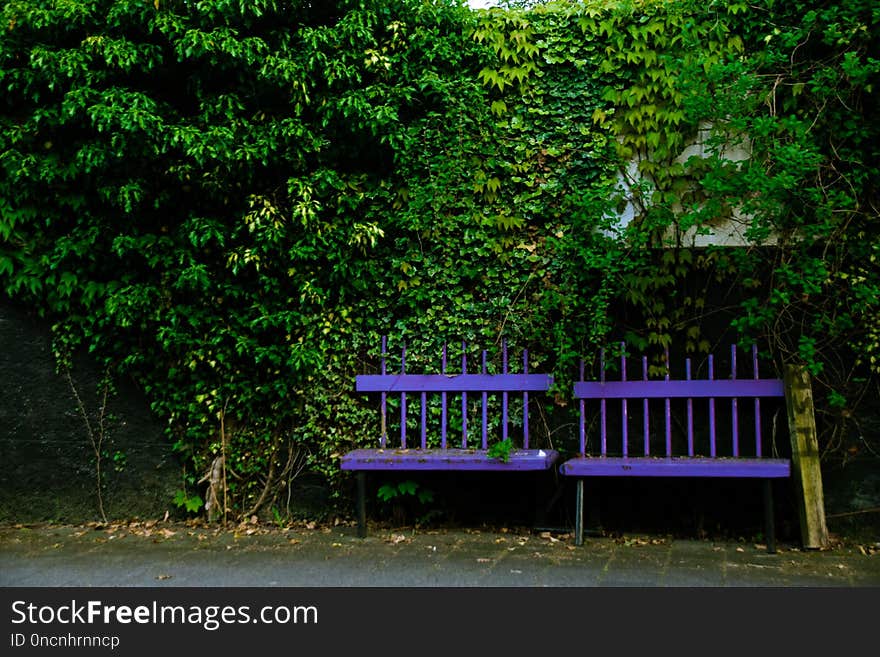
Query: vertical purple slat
[[647, 432], [383, 440], [690, 410], [757, 405], [443, 404], [668, 411], [602, 410], [403, 400], [582, 429], [712, 448], [734, 418], [525, 402], [485, 411], [504, 394], [464, 398], [624, 435]]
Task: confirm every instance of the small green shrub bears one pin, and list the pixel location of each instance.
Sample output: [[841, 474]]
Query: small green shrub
[[501, 450]]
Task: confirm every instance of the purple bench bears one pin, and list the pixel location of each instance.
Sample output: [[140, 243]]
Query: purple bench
[[462, 452], [653, 453]]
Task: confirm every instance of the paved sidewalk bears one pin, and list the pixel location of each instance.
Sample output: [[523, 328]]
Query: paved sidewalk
[[174, 554]]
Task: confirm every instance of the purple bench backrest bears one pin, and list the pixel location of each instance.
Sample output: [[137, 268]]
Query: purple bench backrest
[[462, 383], [668, 389]]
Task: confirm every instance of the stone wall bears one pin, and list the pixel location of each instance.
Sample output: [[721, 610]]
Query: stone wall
[[47, 464]]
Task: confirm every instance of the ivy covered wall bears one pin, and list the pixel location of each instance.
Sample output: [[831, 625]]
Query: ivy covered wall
[[229, 202]]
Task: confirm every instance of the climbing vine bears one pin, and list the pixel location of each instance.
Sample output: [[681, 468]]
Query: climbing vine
[[230, 202]]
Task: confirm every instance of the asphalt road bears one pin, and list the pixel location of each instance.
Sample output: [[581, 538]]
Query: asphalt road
[[179, 555]]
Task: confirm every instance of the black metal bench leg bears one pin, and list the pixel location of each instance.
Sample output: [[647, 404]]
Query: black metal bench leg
[[579, 513], [362, 504], [769, 522]]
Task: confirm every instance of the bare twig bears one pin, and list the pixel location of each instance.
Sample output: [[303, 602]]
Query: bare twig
[[296, 463], [875, 509], [223, 454], [96, 437], [270, 481]]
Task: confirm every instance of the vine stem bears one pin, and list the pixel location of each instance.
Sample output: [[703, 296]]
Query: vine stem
[[96, 440], [223, 455], [875, 509]]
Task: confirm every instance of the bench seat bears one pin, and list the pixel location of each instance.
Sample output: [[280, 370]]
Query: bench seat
[[655, 453], [464, 448], [686, 466], [447, 459]]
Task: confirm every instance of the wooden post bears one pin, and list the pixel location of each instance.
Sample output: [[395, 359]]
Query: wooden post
[[805, 457]]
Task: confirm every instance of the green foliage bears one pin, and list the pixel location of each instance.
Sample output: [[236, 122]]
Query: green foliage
[[501, 450], [792, 88], [230, 202], [119, 459], [191, 503], [388, 492]]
